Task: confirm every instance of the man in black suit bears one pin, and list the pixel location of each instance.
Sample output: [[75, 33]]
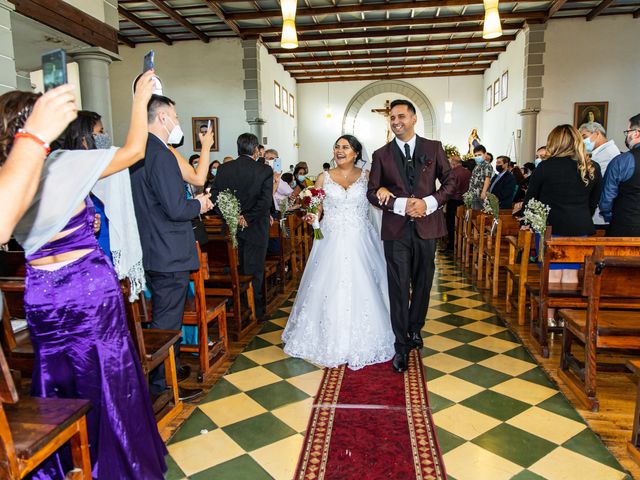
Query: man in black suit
[[252, 183], [164, 221], [503, 185]]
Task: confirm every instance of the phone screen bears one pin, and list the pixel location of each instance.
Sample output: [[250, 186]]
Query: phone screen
[[276, 165], [54, 69], [208, 125], [149, 61]]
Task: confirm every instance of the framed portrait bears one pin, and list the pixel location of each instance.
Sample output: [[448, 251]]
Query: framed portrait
[[504, 86], [276, 95], [285, 100], [199, 124], [584, 112], [496, 92], [488, 98], [292, 106]]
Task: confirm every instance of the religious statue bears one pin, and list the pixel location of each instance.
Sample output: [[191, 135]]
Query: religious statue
[[474, 140], [385, 112]]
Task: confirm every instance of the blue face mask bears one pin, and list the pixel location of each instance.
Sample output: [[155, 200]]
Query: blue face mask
[[479, 159], [537, 161], [301, 178], [214, 171], [588, 144], [292, 184]]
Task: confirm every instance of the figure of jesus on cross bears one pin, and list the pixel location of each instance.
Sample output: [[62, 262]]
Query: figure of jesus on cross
[[385, 112]]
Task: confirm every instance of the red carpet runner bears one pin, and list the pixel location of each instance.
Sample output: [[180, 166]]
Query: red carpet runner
[[372, 424]]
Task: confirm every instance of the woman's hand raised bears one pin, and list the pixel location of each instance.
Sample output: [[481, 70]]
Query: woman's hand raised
[[52, 112], [144, 87]]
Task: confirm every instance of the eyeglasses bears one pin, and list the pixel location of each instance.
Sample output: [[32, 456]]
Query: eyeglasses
[[626, 132]]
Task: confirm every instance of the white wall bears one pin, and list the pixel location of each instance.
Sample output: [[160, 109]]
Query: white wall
[[317, 135], [591, 62], [281, 128], [203, 79], [500, 124]]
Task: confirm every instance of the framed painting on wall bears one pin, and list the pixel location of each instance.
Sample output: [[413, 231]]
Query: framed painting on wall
[[496, 92], [285, 100], [585, 112], [504, 86], [199, 125], [276, 95], [488, 98], [292, 106]]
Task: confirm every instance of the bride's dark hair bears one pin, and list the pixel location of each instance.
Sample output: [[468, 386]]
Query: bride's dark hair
[[354, 143]]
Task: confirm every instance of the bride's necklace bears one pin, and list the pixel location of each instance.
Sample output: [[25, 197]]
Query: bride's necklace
[[347, 175]]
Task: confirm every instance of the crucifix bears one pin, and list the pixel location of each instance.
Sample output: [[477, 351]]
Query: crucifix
[[385, 112]]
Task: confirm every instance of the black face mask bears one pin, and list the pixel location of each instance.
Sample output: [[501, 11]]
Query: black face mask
[[499, 168]]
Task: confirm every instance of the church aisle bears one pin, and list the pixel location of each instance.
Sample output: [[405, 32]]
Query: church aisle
[[498, 415]]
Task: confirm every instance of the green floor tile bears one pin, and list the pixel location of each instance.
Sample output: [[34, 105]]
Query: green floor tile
[[269, 327], [240, 468], [483, 376], [527, 475], [537, 375], [485, 308], [589, 444], [432, 373], [560, 405], [221, 389], [426, 352], [495, 320], [437, 403], [496, 405], [173, 470], [447, 440], [521, 353], [462, 335], [277, 395], [450, 308], [256, 343], [506, 335], [258, 431], [290, 367], [514, 444], [241, 363], [471, 353], [456, 320], [192, 426]]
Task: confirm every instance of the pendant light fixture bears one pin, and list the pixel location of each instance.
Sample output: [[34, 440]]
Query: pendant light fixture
[[289, 36], [328, 113], [492, 28], [448, 105]]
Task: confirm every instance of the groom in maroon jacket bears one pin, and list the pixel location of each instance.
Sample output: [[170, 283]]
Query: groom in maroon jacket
[[412, 221]]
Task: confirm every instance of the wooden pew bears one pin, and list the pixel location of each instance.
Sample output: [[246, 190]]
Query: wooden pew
[[284, 257], [459, 232], [202, 312], [497, 249], [606, 277], [31, 429], [633, 446], [477, 245], [296, 242], [519, 271], [467, 237], [544, 295], [17, 347]]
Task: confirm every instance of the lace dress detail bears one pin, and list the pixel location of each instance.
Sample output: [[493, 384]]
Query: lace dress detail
[[341, 312]]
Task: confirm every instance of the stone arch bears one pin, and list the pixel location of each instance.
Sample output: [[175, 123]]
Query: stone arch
[[420, 100]]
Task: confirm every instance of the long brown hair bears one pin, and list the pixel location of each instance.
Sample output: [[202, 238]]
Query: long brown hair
[[15, 108], [566, 141]]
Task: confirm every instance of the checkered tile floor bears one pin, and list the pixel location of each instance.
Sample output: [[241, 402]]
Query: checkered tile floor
[[498, 415]]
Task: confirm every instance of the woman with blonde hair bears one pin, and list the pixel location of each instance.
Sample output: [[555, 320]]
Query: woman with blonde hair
[[570, 184]]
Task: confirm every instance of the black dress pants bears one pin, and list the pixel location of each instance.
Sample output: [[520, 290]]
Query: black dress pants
[[410, 269], [452, 206], [168, 295], [252, 258]]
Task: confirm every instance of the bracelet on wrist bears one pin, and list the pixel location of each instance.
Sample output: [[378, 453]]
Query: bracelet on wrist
[[22, 133]]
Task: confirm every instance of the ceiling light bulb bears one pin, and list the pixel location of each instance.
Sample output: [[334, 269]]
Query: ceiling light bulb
[[288, 8], [289, 38], [492, 28]]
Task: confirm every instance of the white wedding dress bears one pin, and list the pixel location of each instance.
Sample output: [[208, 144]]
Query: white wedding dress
[[341, 311]]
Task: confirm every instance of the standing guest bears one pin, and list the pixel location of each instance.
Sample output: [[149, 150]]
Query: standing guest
[[620, 202], [326, 167], [541, 154], [602, 152], [261, 151], [481, 176], [270, 154], [462, 176], [212, 174], [570, 184], [503, 184], [78, 329], [252, 183], [164, 221]]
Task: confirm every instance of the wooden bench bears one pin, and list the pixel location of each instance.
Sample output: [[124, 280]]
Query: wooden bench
[[458, 232], [633, 446], [31, 429], [284, 257], [17, 347], [204, 312], [477, 245], [469, 218], [613, 278], [296, 242], [519, 271], [544, 295], [496, 249]]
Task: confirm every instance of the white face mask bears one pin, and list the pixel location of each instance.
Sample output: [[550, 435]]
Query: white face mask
[[175, 135]]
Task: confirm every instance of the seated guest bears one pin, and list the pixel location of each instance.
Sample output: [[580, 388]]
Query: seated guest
[[301, 174], [527, 170], [522, 184], [78, 329], [283, 189], [227, 159], [462, 176], [212, 174], [503, 184], [620, 201], [541, 154], [481, 176], [270, 154]]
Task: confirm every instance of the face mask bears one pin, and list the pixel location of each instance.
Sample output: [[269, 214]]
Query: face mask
[[537, 161], [195, 164], [102, 140], [588, 144], [479, 159], [301, 178], [499, 168], [175, 135], [292, 184], [214, 171]]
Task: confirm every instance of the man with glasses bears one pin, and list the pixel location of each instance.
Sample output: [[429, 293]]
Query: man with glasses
[[620, 199]]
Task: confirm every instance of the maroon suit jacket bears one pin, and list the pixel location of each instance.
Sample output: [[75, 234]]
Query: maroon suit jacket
[[387, 170]]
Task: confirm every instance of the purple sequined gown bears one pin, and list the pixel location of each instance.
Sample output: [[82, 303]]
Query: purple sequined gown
[[83, 349]]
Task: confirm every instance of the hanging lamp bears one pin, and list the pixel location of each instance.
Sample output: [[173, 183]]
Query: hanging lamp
[[328, 113], [448, 105], [289, 36], [491, 28]]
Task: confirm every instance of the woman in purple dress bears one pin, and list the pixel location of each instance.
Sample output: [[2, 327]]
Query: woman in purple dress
[[74, 306]]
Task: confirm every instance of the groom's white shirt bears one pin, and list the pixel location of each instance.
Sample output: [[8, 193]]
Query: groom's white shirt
[[400, 205]]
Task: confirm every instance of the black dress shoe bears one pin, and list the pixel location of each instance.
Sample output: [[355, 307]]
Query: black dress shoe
[[416, 340], [400, 362], [186, 394], [183, 373]]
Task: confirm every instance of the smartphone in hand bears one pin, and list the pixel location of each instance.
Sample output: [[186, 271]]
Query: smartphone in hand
[[208, 125], [149, 61], [54, 69]]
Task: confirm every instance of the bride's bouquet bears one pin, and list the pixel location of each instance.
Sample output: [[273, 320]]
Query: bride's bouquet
[[229, 206], [311, 199]]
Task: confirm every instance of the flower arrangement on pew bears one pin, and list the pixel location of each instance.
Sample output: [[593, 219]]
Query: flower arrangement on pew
[[230, 209], [451, 151], [491, 205], [467, 198], [535, 215], [311, 199]]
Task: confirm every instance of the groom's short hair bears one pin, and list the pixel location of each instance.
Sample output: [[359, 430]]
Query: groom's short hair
[[399, 101]]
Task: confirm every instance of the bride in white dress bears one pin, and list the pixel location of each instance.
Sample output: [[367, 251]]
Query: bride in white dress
[[341, 312]]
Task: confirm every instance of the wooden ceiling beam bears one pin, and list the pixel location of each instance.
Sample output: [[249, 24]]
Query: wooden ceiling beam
[[367, 56], [215, 8], [144, 25], [391, 77], [399, 62], [636, 14], [390, 45], [178, 18], [598, 10], [555, 7], [126, 41], [392, 70]]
